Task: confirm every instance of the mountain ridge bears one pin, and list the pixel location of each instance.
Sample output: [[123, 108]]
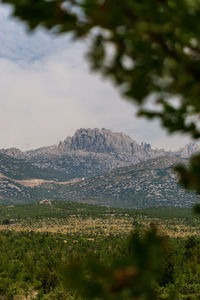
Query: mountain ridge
[[100, 141], [90, 152]]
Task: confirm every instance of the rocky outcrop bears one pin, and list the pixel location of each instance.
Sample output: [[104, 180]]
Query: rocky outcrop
[[103, 141]]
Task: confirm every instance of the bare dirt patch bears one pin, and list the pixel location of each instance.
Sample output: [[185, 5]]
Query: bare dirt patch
[[37, 182]]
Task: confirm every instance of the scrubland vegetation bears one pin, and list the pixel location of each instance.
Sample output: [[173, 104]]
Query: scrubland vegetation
[[90, 220], [39, 241]]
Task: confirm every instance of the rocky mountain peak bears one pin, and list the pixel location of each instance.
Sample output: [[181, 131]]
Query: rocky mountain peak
[[103, 141], [108, 149]]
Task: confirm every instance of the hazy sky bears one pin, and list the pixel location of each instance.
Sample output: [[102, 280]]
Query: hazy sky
[[47, 92]]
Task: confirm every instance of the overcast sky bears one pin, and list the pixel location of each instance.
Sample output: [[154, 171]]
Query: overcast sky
[[47, 92]]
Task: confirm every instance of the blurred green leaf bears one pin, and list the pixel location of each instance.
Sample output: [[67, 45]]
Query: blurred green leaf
[[190, 175]]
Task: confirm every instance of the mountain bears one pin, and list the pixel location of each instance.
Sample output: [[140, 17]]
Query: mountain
[[95, 166], [103, 141], [88, 153], [148, 184]]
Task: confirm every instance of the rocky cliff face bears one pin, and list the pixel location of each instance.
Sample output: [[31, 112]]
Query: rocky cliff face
[[103, 141]]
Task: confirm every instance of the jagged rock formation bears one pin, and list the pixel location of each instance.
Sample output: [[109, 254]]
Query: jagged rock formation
[[103, 141]]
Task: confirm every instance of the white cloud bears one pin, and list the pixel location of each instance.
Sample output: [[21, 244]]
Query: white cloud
[[47, 92]]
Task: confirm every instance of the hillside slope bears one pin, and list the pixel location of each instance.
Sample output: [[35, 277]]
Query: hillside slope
[[147, 184], [19, 169]]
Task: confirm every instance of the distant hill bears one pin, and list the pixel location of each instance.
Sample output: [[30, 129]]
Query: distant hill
[[16, 176], [148, 184], [19, 169]]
